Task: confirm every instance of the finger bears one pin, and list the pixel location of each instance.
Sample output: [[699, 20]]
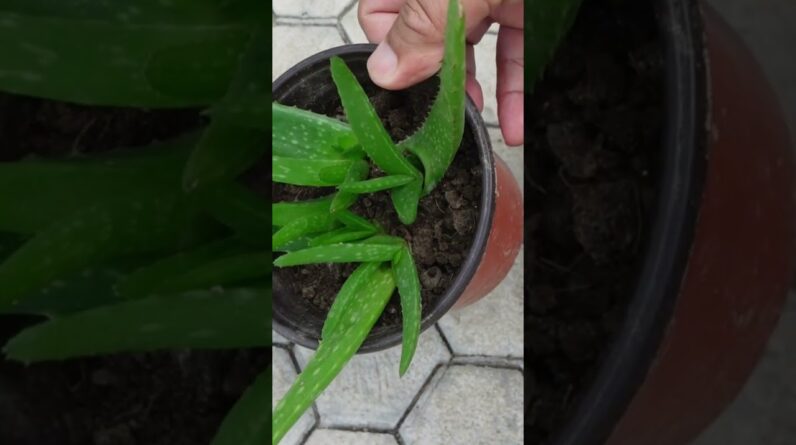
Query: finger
[[475, 35], [376, 17], [412, 50], [472, 86], [510, 86]]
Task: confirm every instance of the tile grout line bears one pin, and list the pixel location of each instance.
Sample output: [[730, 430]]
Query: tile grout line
[[442, 367]]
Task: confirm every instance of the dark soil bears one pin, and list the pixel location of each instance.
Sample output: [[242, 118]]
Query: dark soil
[[447, 218], [591, 157], [164, 398]]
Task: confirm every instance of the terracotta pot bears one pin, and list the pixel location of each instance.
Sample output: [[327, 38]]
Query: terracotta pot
[[722, 250], [498, 234]]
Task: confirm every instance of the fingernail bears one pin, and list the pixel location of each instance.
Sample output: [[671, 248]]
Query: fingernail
[[382, 63]]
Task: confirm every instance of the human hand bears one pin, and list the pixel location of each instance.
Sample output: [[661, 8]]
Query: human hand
[[411, 34]]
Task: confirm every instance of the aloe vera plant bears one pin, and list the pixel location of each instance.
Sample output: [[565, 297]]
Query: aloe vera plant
[[163, 246]]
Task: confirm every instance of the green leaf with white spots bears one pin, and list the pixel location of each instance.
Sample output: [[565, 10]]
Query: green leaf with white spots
[[219, 272], [344, 199], [376, 184], [299, 228], [338, 253], [354, 221], [303, 134], [90, 235], [342, 235], [366, 124], [360, 277], [332, 355], [239, 208], [285, 212], [144, 281], [438, 140], [250, 419], [385, 239], [238, 318], [310, 172], [224, 152], [403, 266], [141, 65], [34, 193]]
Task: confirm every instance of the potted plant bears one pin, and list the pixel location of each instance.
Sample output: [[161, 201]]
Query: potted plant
[[413, 206]]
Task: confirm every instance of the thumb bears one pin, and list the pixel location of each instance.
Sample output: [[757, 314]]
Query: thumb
[[414, 46]]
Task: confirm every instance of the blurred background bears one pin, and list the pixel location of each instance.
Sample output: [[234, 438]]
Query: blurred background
[[765, 411]]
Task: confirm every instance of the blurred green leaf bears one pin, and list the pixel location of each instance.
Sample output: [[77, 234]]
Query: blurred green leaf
[[285, 212], [338, 253], [310, 172], [250, 419], [239, 208], [238, 318], [376, 184]]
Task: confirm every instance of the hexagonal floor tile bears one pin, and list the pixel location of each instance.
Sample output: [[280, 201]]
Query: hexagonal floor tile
[[292, 44], [492, 326], [468, 405], [368, 393], [351, 27], [278, 339], [514, 156], [337, 437], [283, 376], [310, 8]]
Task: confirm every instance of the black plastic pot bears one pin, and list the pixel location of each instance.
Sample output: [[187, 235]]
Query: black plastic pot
[[310, 82], [721, 252]]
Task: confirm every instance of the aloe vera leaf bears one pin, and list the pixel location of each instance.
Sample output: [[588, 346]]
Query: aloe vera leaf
[[342, 235], [403, 266], [384, 239], [437, 141], [238, 318], [145, 280], [301, 227], [225, 151], [309, 172], [239, 208], [206, 12], [361, 276], [149, 66], [338, 253], [33, 194], [90, 235], [248, 98], [345, 199], [366, 123], [546, 24], [220, 272], [354, 221], [283, 213], [405, 200], [303, 134], [293, 246], [332, 354], [250, 419], [376, 184]]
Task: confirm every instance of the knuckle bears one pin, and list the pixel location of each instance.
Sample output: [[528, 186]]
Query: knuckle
[[418, 17]]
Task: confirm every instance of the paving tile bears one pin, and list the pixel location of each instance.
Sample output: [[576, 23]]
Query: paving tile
[[492, 326], [470, 405], [486, 73], [283, 376], [310, 8], [368, 393], [351, 26], [514, 156], [292, 44], [278, 339], [337, 437]]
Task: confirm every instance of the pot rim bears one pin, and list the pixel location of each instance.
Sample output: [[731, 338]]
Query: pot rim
[[388, 338], [680, 189]]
